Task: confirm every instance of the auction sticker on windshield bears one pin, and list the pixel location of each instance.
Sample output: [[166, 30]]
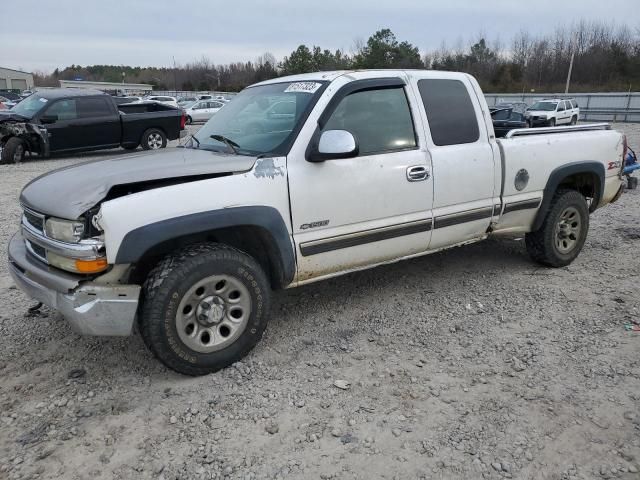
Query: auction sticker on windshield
[[303, 87]]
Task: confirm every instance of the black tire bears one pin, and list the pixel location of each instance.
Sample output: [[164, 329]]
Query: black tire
[[130, 147], [574, 120], [153, 139], [169, 284], [632, 183], [542, 245], [189, 120], [552, 122], [13, 151]]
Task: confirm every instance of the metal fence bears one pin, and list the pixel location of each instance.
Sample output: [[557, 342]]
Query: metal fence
[[605, 107], [185, 93]]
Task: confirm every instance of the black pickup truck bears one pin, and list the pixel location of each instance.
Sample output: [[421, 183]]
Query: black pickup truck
[[71, 120]]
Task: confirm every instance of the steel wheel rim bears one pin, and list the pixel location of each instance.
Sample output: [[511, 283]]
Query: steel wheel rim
[[154, 141], [213, 313], [17, 155], [568, 230]]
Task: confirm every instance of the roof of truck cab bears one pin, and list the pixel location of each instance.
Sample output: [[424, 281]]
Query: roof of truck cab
[[51, 93], [306, 77], [332, 75]]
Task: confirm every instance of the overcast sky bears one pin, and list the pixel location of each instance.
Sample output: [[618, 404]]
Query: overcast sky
[[46, 34]]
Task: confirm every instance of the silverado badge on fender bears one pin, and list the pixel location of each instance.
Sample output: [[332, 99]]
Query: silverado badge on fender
[[321, 223]]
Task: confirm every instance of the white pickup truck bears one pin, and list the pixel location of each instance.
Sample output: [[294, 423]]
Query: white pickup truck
[[365, 168]]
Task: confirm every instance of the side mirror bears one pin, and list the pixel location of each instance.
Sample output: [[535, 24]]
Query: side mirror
[[48, 119], [334, 144]]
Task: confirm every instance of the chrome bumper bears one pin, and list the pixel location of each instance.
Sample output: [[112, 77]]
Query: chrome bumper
[[90, 309]]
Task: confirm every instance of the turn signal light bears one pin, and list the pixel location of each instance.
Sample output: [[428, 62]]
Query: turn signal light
[[91, 266]]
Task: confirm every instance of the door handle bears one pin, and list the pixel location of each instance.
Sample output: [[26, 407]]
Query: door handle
[[417, 173]]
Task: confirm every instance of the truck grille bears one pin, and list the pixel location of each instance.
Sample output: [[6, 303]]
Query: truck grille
[[37, 251], [35, 220]]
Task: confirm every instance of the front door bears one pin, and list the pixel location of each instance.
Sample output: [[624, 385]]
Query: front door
[[62, 114], [375, 207]]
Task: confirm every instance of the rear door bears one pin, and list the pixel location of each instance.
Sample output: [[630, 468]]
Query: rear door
[[199, 111], [464, 155], [98, 123], [354, 212]]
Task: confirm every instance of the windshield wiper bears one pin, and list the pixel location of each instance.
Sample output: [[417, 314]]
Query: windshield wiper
[[227, 141], [196, 140]]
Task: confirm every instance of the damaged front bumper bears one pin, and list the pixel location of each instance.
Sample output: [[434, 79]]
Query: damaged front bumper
[[90, 308]]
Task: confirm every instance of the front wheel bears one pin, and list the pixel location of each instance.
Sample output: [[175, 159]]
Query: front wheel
[[204, 308], [562, 235], [13, 151], [552, 122], [189, 120], [153, 139]]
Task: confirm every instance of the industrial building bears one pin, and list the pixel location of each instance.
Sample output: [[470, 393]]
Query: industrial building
[[15, 80], [109, 87]]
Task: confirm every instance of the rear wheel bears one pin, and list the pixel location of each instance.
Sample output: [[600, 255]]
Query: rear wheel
[[204, 308], [13, 151], [189, 120], [562, 235], [574, 120], [153, 139]]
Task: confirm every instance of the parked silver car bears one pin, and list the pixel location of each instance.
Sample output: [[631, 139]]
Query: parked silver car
[[202, 110]]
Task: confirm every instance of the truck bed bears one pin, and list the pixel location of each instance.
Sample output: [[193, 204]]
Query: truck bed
[[138, 117], [535, 153]]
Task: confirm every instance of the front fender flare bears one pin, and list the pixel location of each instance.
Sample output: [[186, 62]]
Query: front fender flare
[[141, 240]]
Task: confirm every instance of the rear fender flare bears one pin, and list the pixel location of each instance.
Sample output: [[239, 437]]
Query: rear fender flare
[[561, 173]]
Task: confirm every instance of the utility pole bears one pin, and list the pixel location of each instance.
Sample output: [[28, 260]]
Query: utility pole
[[573, 52], [175, 81]]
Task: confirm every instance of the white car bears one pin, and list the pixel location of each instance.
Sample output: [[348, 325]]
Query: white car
[[202, 110], [552, 112], [374, 166], [162, 99]]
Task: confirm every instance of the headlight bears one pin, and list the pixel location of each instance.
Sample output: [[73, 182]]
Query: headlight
[[64, 230]]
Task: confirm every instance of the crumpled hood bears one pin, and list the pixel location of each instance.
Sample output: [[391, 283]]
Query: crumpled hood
[[70, 191], [9, 116]]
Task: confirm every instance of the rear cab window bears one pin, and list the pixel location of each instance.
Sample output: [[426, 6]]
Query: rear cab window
[[93, 107], [450, 112]]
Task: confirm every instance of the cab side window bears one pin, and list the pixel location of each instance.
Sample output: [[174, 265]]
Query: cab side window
[[561, 107], [379, 119], [93, 107], [63, 109], [452, 118]]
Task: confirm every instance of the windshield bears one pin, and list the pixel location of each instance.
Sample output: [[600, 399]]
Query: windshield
[[261, 119], [544, 106], [30, 106], [188, 103]]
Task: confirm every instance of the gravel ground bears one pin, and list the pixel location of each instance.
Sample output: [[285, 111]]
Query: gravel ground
[[465, 364]]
